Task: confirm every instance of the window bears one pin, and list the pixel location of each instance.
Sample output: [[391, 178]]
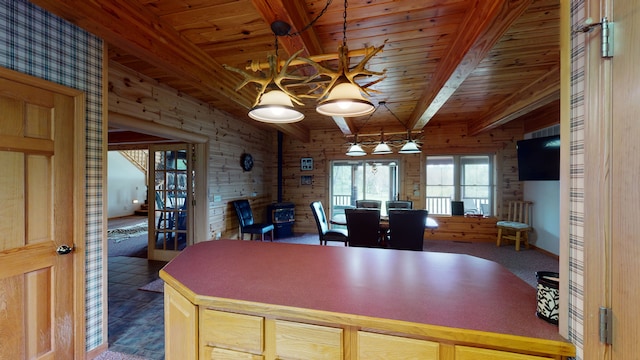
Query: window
[[461, 178], [362, 180]]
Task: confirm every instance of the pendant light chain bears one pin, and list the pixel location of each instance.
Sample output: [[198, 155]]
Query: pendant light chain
[[276, 45], [344, 25], [326, 6]]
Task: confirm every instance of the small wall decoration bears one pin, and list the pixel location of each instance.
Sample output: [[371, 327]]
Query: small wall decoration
[[306, 179], [246, 161], [306, 164]]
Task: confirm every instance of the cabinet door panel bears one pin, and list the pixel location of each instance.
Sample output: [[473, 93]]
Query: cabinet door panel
[[470, 353], [309, 342], [181, 326], [213, 353], [232, 331], [373, 346]]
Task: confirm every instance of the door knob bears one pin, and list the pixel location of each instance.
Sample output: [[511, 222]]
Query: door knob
[[64, 249]]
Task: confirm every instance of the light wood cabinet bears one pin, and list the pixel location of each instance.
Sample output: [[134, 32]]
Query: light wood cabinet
[[214, 353], [373, 346], [222, 335], [181, 335], [292, 314], [305, 341], [471, 353], [219, 329]]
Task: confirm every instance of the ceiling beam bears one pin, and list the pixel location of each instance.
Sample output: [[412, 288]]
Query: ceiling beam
[[539, 93], [132, 27], [483, 27], [292, 12], [345, 125]]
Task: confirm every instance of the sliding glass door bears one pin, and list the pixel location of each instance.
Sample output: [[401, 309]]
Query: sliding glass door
[[362, 180]]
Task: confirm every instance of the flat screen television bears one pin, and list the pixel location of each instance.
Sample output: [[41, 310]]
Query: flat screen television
[[539, 158]]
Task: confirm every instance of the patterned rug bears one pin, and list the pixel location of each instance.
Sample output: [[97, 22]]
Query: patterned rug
[[124, 233], [156, 285], [112, 355]]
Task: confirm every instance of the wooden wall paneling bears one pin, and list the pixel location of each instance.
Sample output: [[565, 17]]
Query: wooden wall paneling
[[462, 228], [135, 95], [141, 97], [326, 146]]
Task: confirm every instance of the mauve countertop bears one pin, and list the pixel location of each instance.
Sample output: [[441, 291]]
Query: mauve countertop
[[453, 290]]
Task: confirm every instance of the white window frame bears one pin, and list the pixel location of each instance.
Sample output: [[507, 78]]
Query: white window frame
[[444, 208]]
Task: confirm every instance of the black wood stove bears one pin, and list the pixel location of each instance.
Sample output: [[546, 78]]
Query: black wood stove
[[282, 216]]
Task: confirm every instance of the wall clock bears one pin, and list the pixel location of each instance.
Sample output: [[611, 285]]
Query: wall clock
[[247, 162]]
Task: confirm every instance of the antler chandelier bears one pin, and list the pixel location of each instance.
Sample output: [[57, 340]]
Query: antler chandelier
[[279, 83]]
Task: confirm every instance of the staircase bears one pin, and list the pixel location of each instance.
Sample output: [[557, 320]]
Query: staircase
[[140, 159], [144, 209]]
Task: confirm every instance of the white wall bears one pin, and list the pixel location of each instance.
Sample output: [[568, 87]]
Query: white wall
[[125, 183], [546, 214]]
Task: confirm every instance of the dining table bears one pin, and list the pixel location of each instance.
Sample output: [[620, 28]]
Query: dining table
[[341, 219]]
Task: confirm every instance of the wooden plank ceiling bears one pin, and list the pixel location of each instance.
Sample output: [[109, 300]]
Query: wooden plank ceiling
[[484, 62]]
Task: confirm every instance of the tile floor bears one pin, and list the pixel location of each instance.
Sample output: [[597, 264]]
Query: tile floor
[[136, 317]]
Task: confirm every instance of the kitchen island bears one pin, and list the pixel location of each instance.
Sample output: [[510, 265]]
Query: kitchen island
[[232, 299]]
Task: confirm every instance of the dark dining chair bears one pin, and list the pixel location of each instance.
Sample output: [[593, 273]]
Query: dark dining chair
[[247, 224], [324, 232], [368, 204], [167, 220], [363, 226], [399, 204], [406, 229]]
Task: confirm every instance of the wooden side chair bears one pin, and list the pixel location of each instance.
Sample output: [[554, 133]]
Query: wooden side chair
[[517, 225]]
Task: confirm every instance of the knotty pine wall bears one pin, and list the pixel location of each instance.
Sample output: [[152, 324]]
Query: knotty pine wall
[[138, 96], [439, 139], [135, 95]]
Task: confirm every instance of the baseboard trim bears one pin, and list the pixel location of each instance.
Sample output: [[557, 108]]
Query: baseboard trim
[[96, 351], [550, 254]]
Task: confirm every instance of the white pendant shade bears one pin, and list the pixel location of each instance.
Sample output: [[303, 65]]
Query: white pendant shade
[[275, 107], [410, 147], [345, 99], [356, 150], [382, 149]]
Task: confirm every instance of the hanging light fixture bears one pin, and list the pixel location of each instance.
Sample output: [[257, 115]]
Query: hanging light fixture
[[345, 100], [344, 96], [336, 90], [275, 107], [410, 147], [355, 149], [382, 148]]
